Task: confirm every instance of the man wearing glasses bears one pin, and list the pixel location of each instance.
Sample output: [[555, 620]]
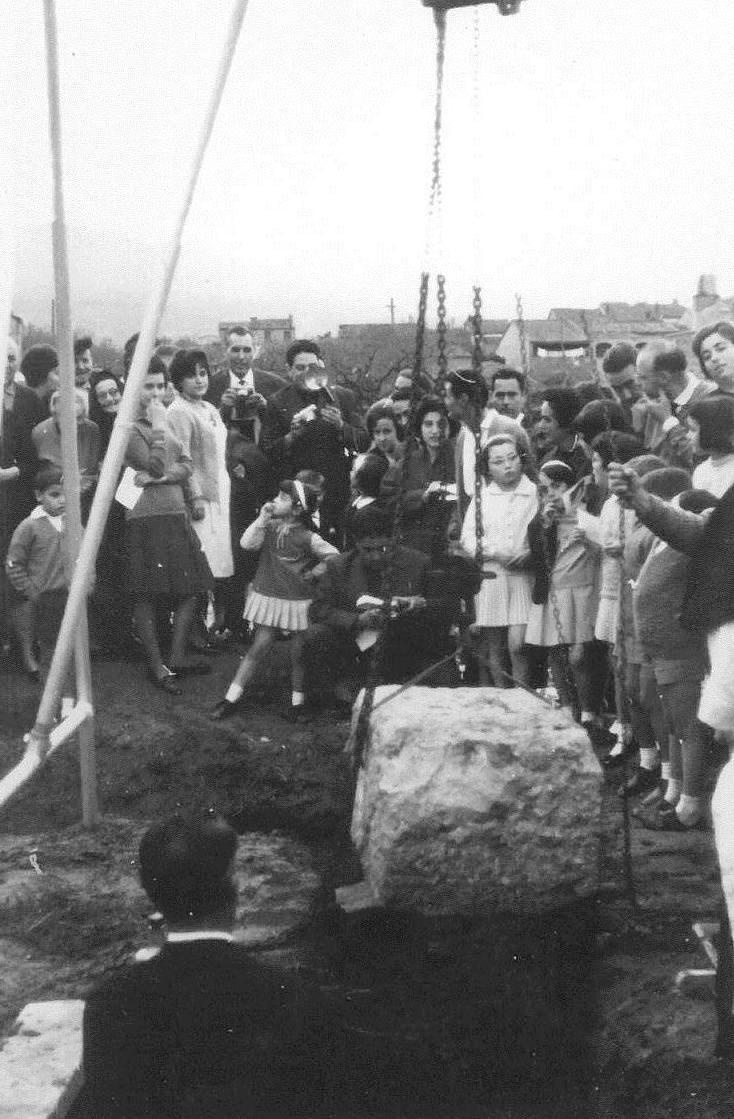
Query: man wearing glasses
[[312, 424]]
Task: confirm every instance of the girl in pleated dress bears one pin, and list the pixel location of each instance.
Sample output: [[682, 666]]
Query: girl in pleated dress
[[280, 593], [509, 502]]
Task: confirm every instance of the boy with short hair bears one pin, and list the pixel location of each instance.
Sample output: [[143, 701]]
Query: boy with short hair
[[37, 569]]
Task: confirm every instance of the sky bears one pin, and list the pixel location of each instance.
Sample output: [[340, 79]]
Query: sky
[[587, 156]]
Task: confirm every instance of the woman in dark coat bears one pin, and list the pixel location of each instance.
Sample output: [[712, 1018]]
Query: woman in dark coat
[[426, 480]]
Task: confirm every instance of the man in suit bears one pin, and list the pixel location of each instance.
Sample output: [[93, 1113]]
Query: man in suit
[[202, 1030], [312, 424], [344, 622], [240, 380], [671, 390]]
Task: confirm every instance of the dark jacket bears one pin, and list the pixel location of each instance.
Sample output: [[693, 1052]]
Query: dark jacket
[[709, 597], [424, 523], [265, 383], [318, 445], [17, 449], [203, 1031]]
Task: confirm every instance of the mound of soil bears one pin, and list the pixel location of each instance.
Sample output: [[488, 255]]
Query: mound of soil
[[578, 1015]]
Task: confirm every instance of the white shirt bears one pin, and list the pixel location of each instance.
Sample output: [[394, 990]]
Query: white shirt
[[715, 475], [246, 382]]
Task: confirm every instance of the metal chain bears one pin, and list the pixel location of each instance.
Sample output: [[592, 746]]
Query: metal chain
[[443, 362], [361, 732], [477, 369], [420, 327], [435, 193], [524, 355]]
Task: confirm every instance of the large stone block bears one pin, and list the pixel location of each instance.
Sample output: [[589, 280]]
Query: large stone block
[[39, 1064], [476, 799]]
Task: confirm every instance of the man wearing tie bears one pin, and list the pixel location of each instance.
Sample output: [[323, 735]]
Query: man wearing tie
[[240, 378]]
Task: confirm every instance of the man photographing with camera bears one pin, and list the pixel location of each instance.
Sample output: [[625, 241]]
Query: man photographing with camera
[[312, 424], [239, 382]]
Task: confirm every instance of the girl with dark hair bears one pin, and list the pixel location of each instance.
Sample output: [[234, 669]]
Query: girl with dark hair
[[200, 429], [711, 423], [165, 556], [426, 481], [280, 593]]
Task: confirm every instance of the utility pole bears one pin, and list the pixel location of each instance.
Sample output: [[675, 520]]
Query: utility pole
[[391, 307]]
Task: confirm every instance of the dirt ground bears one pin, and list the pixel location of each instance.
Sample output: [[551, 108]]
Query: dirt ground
[[576, 1016]]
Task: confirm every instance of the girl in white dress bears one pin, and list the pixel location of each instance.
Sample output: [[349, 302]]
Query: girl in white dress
[[509, 502]]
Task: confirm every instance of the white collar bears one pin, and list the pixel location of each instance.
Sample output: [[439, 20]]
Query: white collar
[[688, 391], [39, 513], [201, 934], [249, 379]]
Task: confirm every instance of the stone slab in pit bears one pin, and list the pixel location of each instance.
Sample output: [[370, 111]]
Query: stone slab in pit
[[476, 800]]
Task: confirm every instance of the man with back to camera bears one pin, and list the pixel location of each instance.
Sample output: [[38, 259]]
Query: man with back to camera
[[312, 424], [201, 1030]]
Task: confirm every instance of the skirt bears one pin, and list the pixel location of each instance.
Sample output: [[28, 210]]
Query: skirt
[[165, 558], [504, 601], [290, 615], [213, 532], [577, 612]]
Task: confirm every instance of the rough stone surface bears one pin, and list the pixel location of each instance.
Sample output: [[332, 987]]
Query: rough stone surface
[[39, 1064], [476, 799]]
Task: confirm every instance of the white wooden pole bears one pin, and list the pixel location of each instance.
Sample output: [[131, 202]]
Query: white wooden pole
[[114, 458], [67, 410]]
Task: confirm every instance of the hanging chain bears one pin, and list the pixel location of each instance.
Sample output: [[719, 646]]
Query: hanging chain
[[524, 355], [476, 361], [435, 193], [477, 194], [420, 327], [443, 362]]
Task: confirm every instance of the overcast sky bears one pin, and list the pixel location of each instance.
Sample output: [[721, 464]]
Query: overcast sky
[[605, 162]]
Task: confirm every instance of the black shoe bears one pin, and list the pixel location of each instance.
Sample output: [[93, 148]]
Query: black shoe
[[166, 682], [642, 781], [194, 668], [225, 709]]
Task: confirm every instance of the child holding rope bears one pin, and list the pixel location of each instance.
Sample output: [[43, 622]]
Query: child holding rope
[[280, 593]]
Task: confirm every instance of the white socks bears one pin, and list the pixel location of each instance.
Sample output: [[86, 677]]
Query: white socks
[[297, 699], [689, 810], [233, 693], [648, 757]]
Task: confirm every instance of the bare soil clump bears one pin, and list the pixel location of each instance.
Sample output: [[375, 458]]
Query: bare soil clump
[[576, 1015]]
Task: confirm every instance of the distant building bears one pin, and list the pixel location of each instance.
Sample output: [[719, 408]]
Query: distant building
[[636, 323], [265, 332], [492, 331], [543, 338]]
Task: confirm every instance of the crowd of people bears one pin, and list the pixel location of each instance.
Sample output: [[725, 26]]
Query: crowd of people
[[254, 507]]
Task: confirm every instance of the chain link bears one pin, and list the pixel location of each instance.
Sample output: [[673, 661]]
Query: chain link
[[435, 196], [443, 362], [420, 327], [524, 355]]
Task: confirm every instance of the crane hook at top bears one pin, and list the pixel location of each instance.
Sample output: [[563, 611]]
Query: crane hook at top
[[505, 7]]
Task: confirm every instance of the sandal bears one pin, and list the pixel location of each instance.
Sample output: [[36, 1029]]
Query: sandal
[[167, 682]]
